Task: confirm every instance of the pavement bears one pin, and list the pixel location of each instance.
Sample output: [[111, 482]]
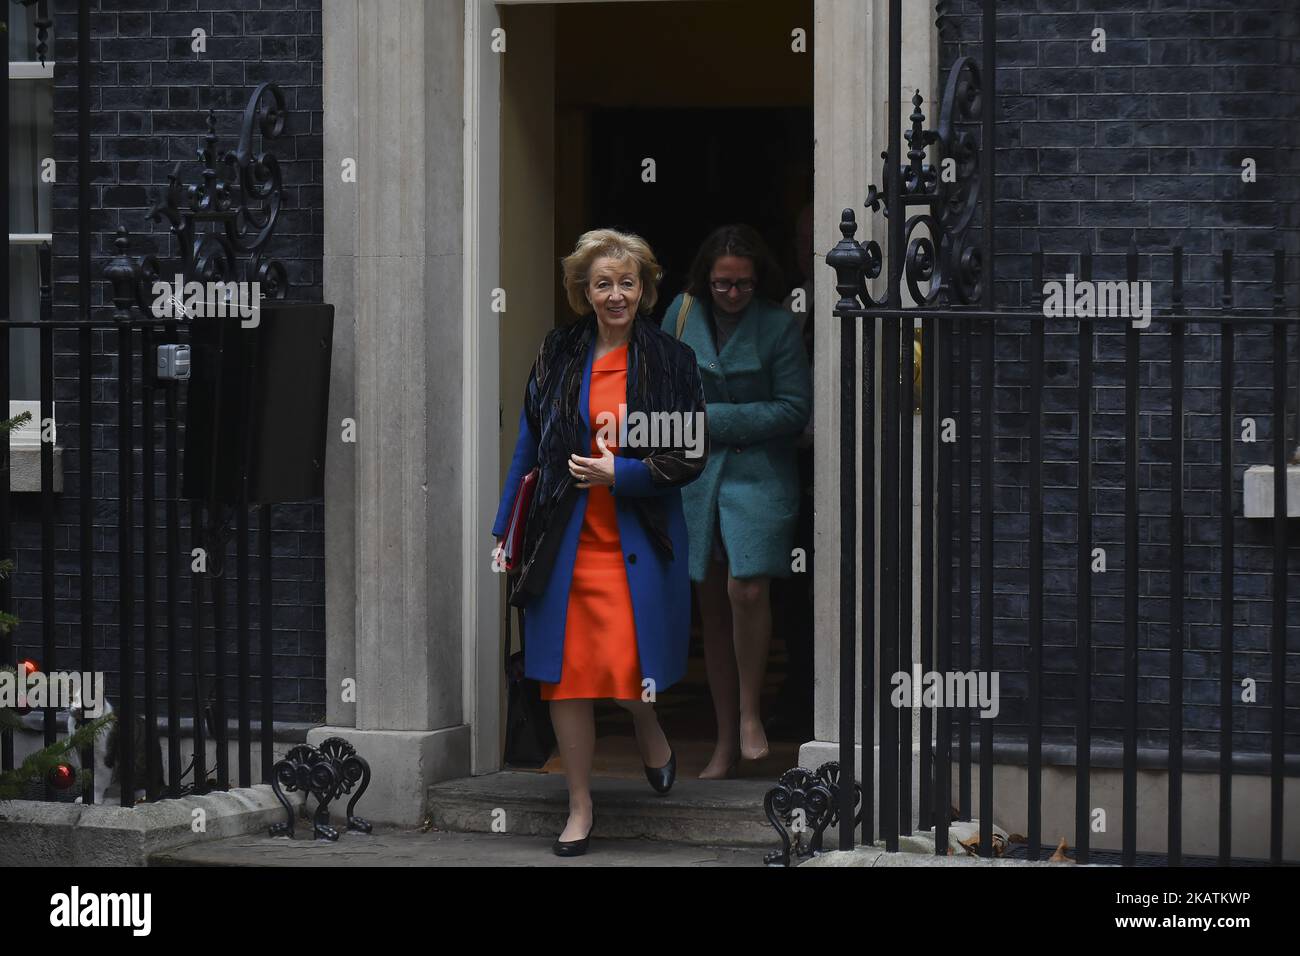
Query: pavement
[[400, 847]]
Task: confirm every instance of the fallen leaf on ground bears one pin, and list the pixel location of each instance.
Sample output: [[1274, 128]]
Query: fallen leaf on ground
[[1059, 856]]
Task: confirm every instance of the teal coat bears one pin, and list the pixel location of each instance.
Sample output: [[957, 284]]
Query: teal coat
[[759, 398]]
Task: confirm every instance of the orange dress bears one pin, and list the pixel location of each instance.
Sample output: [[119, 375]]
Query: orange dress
[[600, 653]]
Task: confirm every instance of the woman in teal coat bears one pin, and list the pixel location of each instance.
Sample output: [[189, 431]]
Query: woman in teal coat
[[742, 512]]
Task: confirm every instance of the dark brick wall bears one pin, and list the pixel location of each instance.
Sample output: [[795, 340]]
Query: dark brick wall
[[1145, 140], [149, 98]]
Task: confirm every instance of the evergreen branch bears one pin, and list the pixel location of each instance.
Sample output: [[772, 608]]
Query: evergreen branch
[[38, 765], [9, 424]]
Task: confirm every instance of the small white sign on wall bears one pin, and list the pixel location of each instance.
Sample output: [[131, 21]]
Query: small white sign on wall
[[28, 434]]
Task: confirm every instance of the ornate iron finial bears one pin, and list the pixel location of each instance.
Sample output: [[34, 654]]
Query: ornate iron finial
[[122, 273], [947, 189], [210, 199], [855, 263], [847, 259], [919, 177]]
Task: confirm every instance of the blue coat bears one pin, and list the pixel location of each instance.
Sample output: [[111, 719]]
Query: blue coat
[[759, 395], [659, 584]]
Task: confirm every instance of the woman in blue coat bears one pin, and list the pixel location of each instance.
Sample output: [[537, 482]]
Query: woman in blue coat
[[742, 514], [603, 578]]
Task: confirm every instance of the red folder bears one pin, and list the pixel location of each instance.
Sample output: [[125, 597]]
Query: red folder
[[512, 542]]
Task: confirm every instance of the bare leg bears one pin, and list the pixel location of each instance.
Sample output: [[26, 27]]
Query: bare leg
[[650, 737], [720, 665], [751, 608], [575, 733]]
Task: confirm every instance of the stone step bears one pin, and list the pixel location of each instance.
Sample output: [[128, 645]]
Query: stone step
[[695, 812]]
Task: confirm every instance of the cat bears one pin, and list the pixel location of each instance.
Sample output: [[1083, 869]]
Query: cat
[[106, 757]]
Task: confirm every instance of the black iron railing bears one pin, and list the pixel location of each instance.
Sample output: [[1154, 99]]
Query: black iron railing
[[949, 276], [239, 197]]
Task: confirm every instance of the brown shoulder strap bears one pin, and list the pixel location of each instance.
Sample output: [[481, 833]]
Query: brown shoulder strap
[[681, 315]]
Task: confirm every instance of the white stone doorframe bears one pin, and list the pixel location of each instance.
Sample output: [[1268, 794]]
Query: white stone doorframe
[[482, 608], [393, 267], [850, 116]]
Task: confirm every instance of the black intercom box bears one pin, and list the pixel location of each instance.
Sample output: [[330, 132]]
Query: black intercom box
[[256, 405]]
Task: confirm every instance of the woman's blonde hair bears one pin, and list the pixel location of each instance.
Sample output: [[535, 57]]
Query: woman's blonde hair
[[609, 243]]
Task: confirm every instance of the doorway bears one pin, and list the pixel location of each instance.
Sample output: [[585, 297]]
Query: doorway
[[665, 119]]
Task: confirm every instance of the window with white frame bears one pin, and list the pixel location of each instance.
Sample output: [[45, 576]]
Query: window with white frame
[[31, 185]]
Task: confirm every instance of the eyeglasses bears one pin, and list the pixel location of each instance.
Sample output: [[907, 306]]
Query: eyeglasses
[[723, 286]]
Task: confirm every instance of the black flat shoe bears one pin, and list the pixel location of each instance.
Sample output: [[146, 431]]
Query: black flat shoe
[[575, 847], [661, 778]]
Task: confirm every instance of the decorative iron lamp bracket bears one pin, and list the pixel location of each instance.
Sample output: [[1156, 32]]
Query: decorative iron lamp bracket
[[246, 208], [947, 190], [241, 192]]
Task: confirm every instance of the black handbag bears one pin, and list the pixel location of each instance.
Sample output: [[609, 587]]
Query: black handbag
[[530, 738]]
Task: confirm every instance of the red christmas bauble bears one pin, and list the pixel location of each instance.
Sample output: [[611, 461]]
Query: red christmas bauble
[[62, 776], [28, 668]]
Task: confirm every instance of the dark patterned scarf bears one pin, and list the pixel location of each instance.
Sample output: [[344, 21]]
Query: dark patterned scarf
[[662, 377]]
